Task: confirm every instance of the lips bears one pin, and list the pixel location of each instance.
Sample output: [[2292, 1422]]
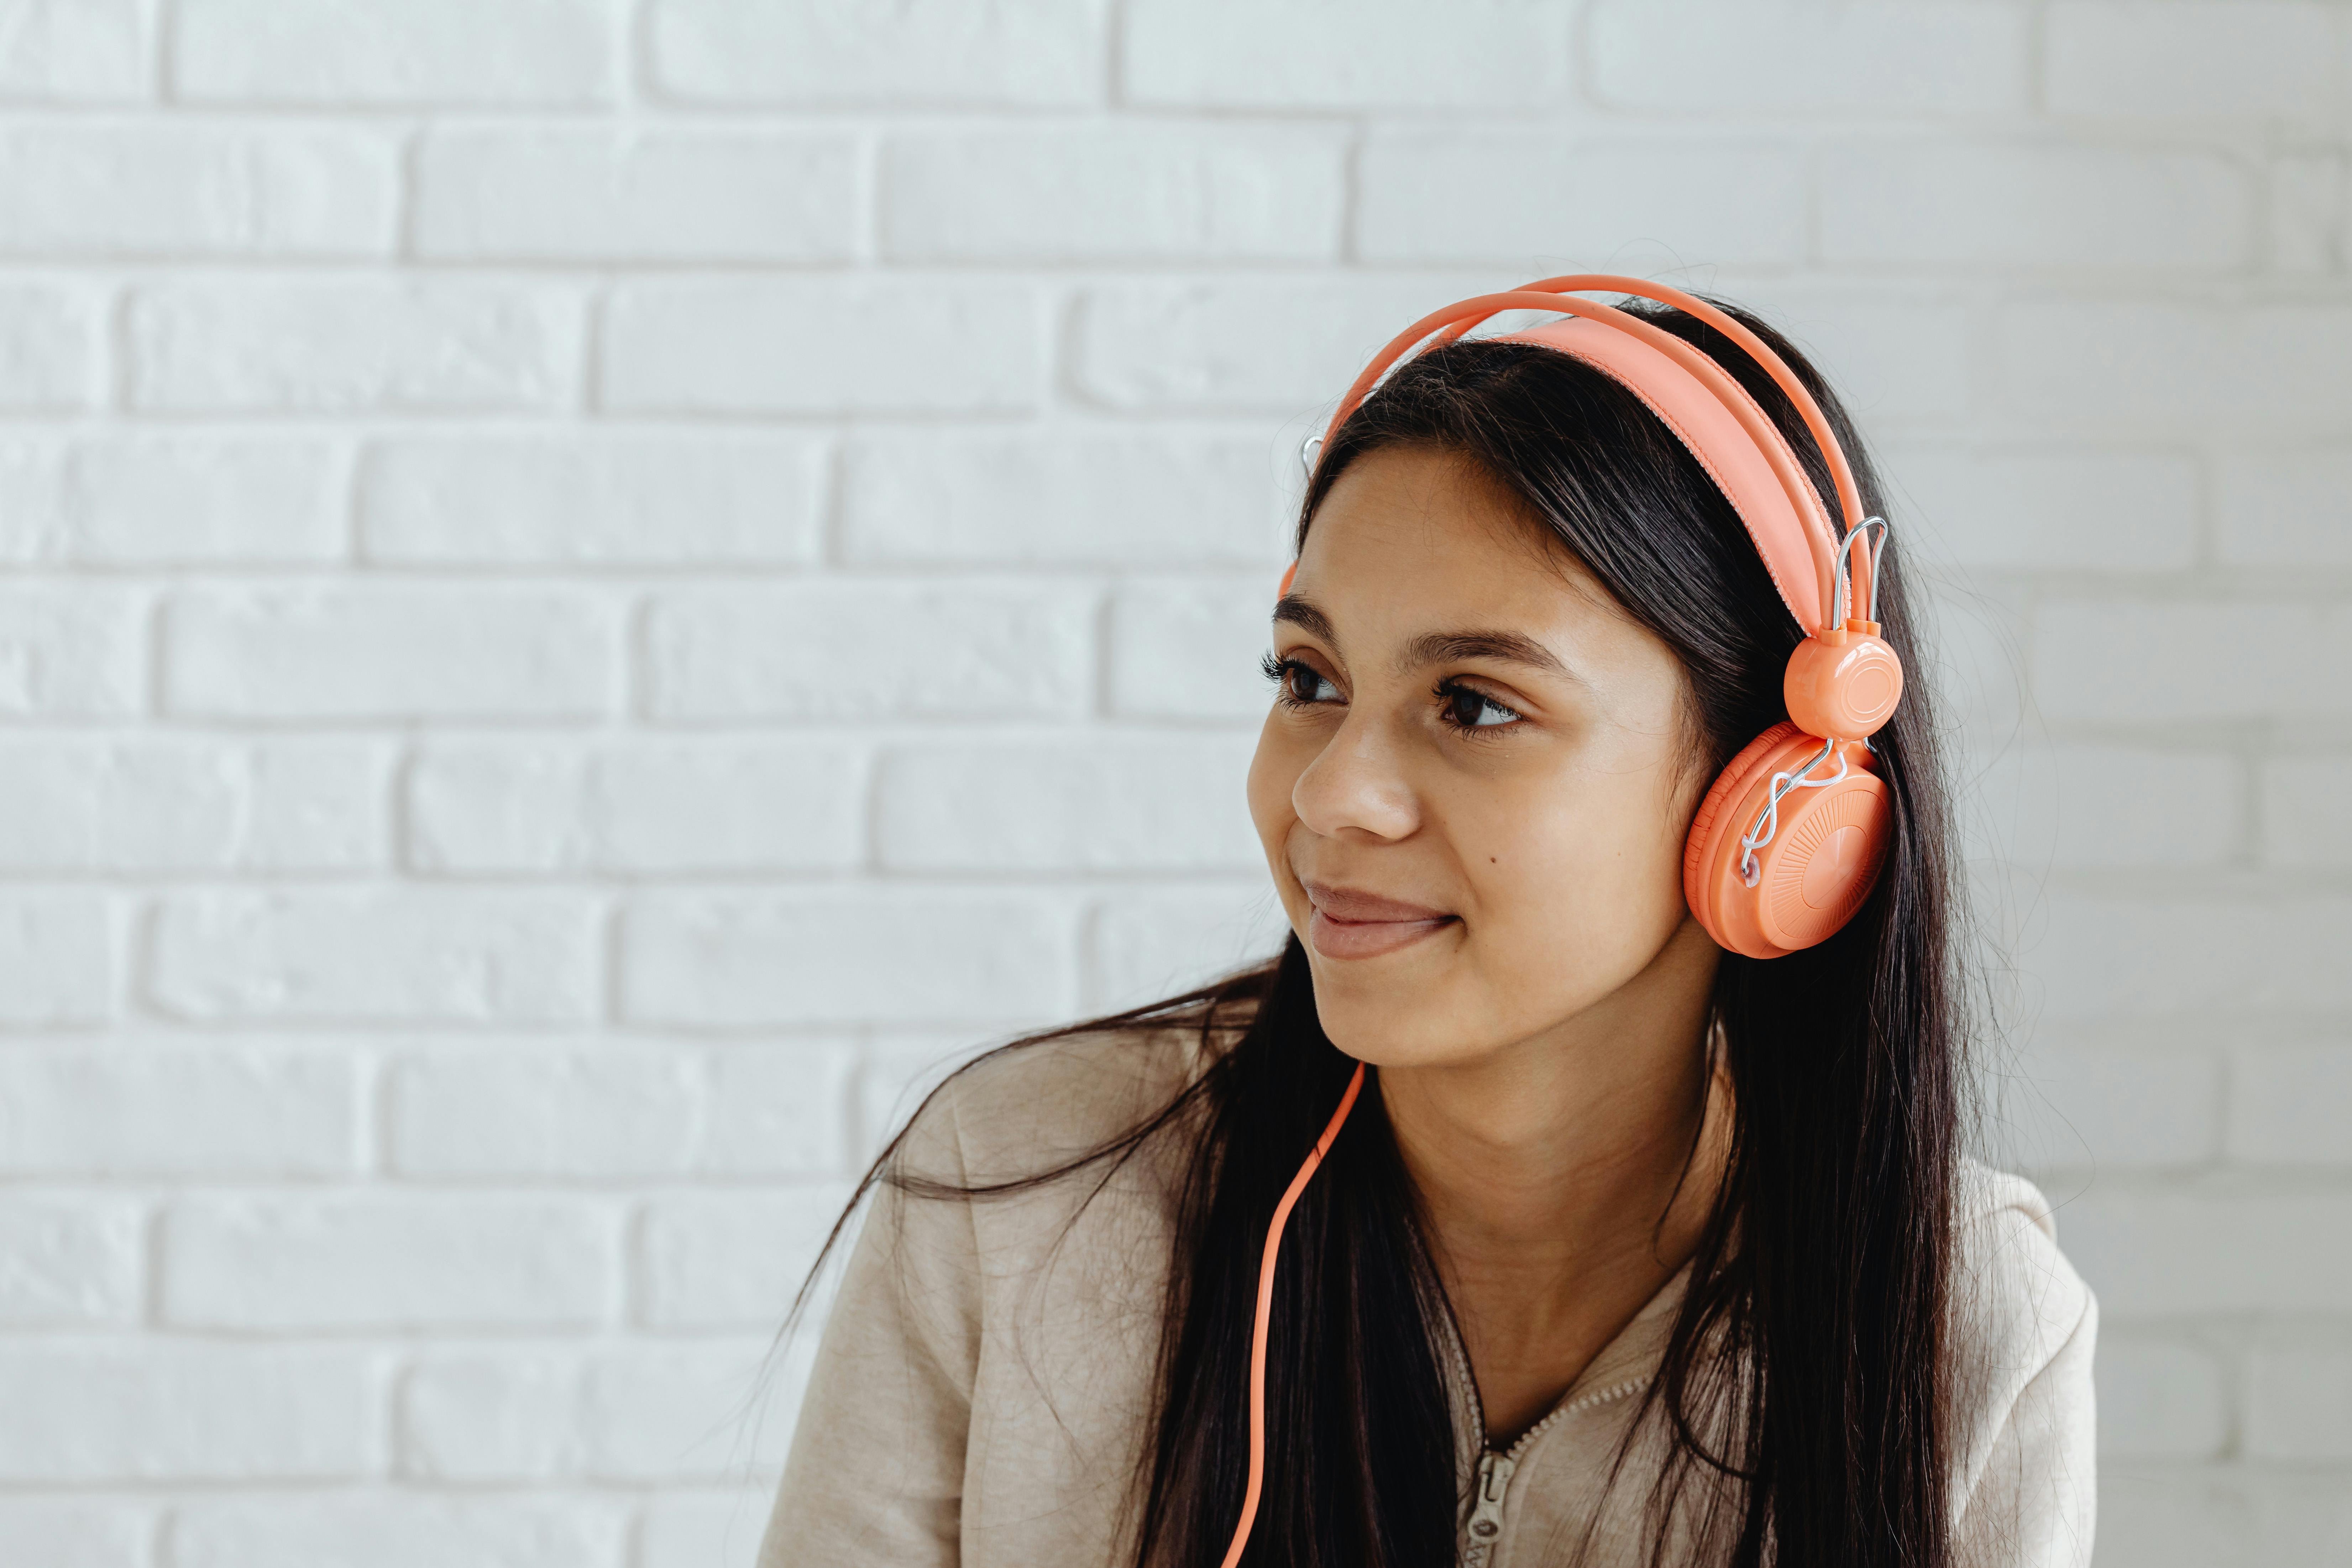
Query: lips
[[1350, 922]]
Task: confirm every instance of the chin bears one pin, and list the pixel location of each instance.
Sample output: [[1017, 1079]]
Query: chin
[[1400, 1021]]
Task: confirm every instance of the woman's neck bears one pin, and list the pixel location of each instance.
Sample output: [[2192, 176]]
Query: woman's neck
[[1568, 1178]]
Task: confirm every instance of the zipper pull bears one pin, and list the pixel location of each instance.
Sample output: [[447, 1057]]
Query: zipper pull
[[1486, 1526]]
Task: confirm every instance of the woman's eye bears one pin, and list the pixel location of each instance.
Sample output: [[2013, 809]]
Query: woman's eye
[[1467, 708], [1299, 684], [1307, 685]]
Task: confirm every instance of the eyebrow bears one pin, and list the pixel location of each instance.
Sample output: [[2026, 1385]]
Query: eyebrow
[[1443, 648], [1290, 607], [1436, 647]]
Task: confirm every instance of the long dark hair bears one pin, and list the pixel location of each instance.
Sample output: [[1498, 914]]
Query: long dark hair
[[1802, 1394]]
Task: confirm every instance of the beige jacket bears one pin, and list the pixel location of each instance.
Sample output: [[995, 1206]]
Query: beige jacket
[[981, 1393]]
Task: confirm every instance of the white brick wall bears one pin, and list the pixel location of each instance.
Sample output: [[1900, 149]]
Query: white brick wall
[[588, 588]]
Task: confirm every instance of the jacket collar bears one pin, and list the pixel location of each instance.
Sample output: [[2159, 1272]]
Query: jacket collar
[[1633, 1355]]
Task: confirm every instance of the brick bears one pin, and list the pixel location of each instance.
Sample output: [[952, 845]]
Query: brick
[[965, 651], [315, 805], [687, 1530], [2300, 1518], [559, 194], [1451, 196], [2151, 1254], [1038, 54], [1190, 649], [76, 805], [597, 1109], [176, 189], [841, 956], [330, 345], [2115, 1108], [780, 1108], [72, 651], [2285, 1106], [2172, 1518], [179, 1410], [77, 49], [1949, 204], [390, 652], [723, 805], [1104, 803], [2104, 806], [2299, 1403], [387, 1261], [124, 500], [355, 52], [52, 346], [730, 1260], [1122, 192], [2302, 812], [402, 954], [1975, 657], [499, 1415], [637, 1414], [133, 1105], [692, 1413], [61, 1532], [2214, 59], [57, 957], [1779, 58], [620, 499], [2159, 955], [2284, 507], [1888, 356], [788, 345], [1063, 499], [2310, 196], [1484, 55], [72, 1263], [2110, 661], [2013, 509], [1175, 345], [2160, 1400], [2202, 367], [391, 1530], [1147, 944]]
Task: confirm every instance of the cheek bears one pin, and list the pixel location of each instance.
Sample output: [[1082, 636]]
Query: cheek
[[1591, 865], [1273, 772]]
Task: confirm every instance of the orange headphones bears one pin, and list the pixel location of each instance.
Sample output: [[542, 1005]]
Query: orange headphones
[[1789, 841]]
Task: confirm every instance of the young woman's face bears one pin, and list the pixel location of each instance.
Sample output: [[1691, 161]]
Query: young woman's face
[[1474, 784]]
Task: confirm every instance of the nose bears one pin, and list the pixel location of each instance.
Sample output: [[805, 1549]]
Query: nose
[[1354, 785]]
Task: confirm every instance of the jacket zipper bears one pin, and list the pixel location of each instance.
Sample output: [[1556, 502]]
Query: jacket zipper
[[1478, 1536], [1484, 1531]]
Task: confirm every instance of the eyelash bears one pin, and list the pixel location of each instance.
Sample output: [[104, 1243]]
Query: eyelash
[[1447, 692]]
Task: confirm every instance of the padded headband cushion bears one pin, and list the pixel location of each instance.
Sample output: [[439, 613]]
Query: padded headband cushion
[[1716, 438]]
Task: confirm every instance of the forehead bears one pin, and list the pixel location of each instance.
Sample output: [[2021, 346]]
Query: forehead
[[1415, 535]]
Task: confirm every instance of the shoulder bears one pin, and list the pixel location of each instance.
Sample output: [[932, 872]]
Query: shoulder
[[1035, 1103], [2016, 1298], [2023, 1329]]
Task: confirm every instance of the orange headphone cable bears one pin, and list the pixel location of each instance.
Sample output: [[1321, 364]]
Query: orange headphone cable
[[1265, 1308]]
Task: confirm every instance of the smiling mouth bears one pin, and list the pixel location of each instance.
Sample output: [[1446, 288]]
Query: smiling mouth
[[1351, 924]]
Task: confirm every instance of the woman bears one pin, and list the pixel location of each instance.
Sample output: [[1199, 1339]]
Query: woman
[[1633, 1248]]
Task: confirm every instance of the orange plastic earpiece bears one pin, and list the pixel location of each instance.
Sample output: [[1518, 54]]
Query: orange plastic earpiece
[[1843, 684], [1772, 888]]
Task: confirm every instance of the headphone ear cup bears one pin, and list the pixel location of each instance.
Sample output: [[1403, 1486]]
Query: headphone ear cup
[[1823, 858], [1699, 848]]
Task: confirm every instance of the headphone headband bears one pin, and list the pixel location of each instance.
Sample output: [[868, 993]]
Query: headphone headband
[[1693, 394]]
